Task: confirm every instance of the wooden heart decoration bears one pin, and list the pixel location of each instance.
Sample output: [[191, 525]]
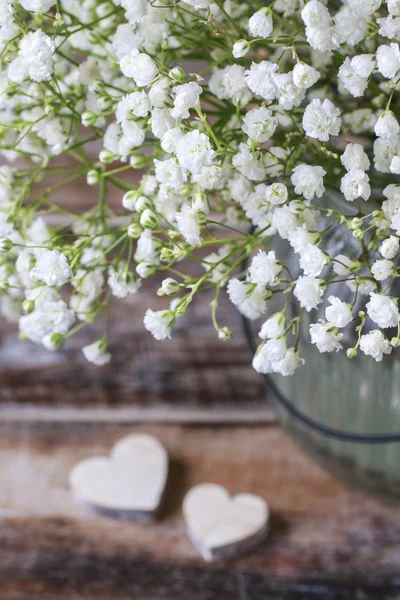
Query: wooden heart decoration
[[221, 526], [127, 484]]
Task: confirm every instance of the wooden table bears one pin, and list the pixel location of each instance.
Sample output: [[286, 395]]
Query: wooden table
[[201, 398]]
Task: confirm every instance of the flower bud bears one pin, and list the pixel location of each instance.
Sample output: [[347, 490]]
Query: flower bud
[[88, 118], [355, 223], [240, 48], [138, 161], [224, 334], [200, 202], [169, 286], [145, 269], [129, 199], [96, 87], [105, 103], [351, 353], [395, 342], [54, 341], [148, 219], [106, 157], [177, 73], [134, 230], [167, 254], [27, 306], [142, 203], [92, 177], [185, 190], [5, 244], [358, 234]]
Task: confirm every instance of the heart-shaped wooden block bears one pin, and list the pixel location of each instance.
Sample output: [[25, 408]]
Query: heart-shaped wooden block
[[128, 484], [221, 526]]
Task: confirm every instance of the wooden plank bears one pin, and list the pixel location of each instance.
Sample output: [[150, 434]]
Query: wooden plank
[[326, 542]]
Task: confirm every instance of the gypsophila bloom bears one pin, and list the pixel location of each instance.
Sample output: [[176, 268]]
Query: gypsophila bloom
[[308, 181], [323, 335], [375, 344], [382, 269], [159, 323], [338, 313], [51, 267], [96, 353], [260, 24], [309, 292], [241, 149], [390, 247], [383, 310], [264, 268], [321, 119]]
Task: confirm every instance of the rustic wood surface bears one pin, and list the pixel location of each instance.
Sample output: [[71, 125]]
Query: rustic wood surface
[[326, 541]]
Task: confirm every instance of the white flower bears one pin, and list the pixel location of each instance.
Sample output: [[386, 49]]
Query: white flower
[[170, 172], [284, 221], [288, 365], [299, 238], [136, 104], [321, 119], [308, 181], [364, 8], [394, 7], [388, 59], [189, 223], [248, 297], [355, 185], [324, 336], [159, 323], [339, 313], [312, 260], [186, 96], [390, 247], [194, 151], [260, 24], [375, 344], [354, 157], [309, 291], [315, 14], [382, 269], [47, 318], [259, 124], [354, 73], [321, 39], [140, 67], [383, 310], [395, 165], [276, 193], [51, 267], [305, 76], [288, 93], [264, 268], [268, 355], [384, 152], [240, 48], [247, 164], [121, 282], [261, 79], [387, 125], [273, 327], [96, 353], [348, 28]]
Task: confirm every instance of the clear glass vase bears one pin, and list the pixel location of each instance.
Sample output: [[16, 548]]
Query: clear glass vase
[[357, 395]]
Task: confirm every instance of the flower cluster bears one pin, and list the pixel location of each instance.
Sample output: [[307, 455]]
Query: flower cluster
[[244, 130]]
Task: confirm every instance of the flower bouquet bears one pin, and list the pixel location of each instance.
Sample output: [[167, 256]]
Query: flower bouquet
[[235, 122]]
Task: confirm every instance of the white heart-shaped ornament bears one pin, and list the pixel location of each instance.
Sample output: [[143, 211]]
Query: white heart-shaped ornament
[[221, 526], [127, 484]]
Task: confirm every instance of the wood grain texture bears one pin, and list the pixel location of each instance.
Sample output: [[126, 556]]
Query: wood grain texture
[[326, 541]]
